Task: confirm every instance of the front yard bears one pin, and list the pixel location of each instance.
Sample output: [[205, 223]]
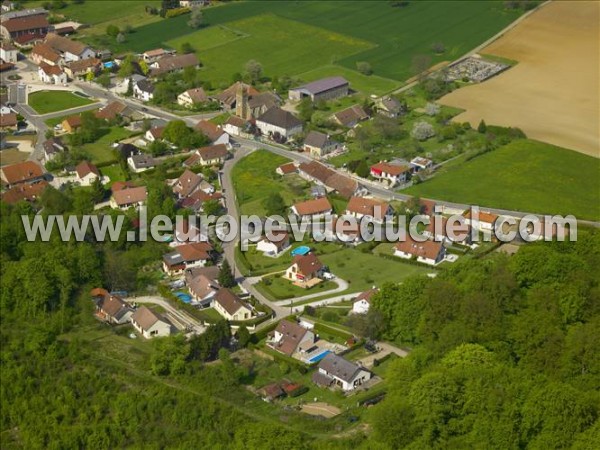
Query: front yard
[[279, 288]]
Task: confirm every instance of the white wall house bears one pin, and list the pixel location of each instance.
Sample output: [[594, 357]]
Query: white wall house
[[338, 371], [427, 252], [278, 121], [150, 324]]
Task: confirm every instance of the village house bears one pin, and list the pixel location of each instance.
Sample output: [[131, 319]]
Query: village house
[[25, 192], [342, 230], [419, 163], [286, 169], [129, 197], [277, 123], [173, 63], [151, 56], [313, 209], [362, 302], [274, 247], [485, 221], [324, 89], [87, 173], [360, 207], [112, 309], [117, 109], [193, 3], [19, 173], [71, 124], [185, 256], [337, 371], [143, 90], [82, 67], [150, 324], [192, 97], [52, 74], [154, 134], [213, 155], [195, 201], [18, 27], [427, 252], [43, 53], [235, 126], [305, 269], [288, 337], [461, 233], [395, 174], [319, 144], [52, 147], [8, 53], [350, 117], [8, 121], [389, 107], [203, 284], [216, 135], [187, 183], [69, 49], [229, 305], [141, 163], [333, 181]]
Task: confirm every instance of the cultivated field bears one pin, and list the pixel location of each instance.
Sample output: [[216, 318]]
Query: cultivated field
[[553, 93], [526, 176]]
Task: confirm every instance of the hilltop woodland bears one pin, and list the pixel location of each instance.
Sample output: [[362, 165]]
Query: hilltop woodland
[[505, 356]]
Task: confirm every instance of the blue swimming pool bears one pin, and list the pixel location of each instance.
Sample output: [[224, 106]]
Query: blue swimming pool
[[319, 357], [302, 250], [185, 298], [109, 64]]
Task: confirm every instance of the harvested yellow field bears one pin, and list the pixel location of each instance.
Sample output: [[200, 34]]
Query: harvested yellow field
[[553, 93]]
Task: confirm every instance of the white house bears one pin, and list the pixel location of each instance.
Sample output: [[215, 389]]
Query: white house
[[313, 209], [274, 247], [427, 252], [52, 74], [484, 221], [393, 173], [69, 49], [235, 126], [154, 134], [150, 324], [216, 135], [8, 52], [143, 90], [420, 163], [131, 197], [278, 122], [212, 155], [188, 255], [338, 371], [304, 268], [192, 97], [360, 207], [229, 305], [87, 173], [362, 303]]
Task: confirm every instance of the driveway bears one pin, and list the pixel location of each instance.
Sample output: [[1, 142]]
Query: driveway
[[181, 319], [385, 349]]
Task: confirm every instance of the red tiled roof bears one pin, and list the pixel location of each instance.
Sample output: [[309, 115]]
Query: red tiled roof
[[25, 23], [22, 172], [427, 249], [311, 207], [130, 196], [85, 168], [292, 334], [24, 192], [288, 168], [391, 169], [367, 207], [229, 301], [209, 129], [307, 264]]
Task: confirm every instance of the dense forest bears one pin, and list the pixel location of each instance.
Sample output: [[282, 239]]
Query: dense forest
[[505, 355]]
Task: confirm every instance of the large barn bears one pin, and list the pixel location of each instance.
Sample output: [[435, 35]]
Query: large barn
[[324, 89]]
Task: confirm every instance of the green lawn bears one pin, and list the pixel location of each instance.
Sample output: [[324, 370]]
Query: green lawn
[[45, 102], [207, 38], [114, 172], [365, 270], [101, 151], [524, 175], [254, 178], [281, 288]]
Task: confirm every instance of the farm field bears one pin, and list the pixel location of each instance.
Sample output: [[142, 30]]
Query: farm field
[[293, 47], [45, 102], [526, 176], [552, 94]]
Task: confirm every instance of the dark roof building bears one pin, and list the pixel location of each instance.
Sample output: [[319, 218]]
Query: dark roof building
[[324, 89]]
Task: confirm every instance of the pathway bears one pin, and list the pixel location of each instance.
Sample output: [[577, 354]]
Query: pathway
[[181, 318]]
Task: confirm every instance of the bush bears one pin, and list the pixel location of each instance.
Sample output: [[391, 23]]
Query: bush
[[298, 391], [176, 12]]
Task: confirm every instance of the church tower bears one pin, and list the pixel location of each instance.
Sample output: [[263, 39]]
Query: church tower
[[241, 102]]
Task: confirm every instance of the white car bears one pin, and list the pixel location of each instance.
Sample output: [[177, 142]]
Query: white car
[[328, 276]]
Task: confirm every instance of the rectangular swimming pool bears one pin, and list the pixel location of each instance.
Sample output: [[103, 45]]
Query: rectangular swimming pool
[[319, 357]]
